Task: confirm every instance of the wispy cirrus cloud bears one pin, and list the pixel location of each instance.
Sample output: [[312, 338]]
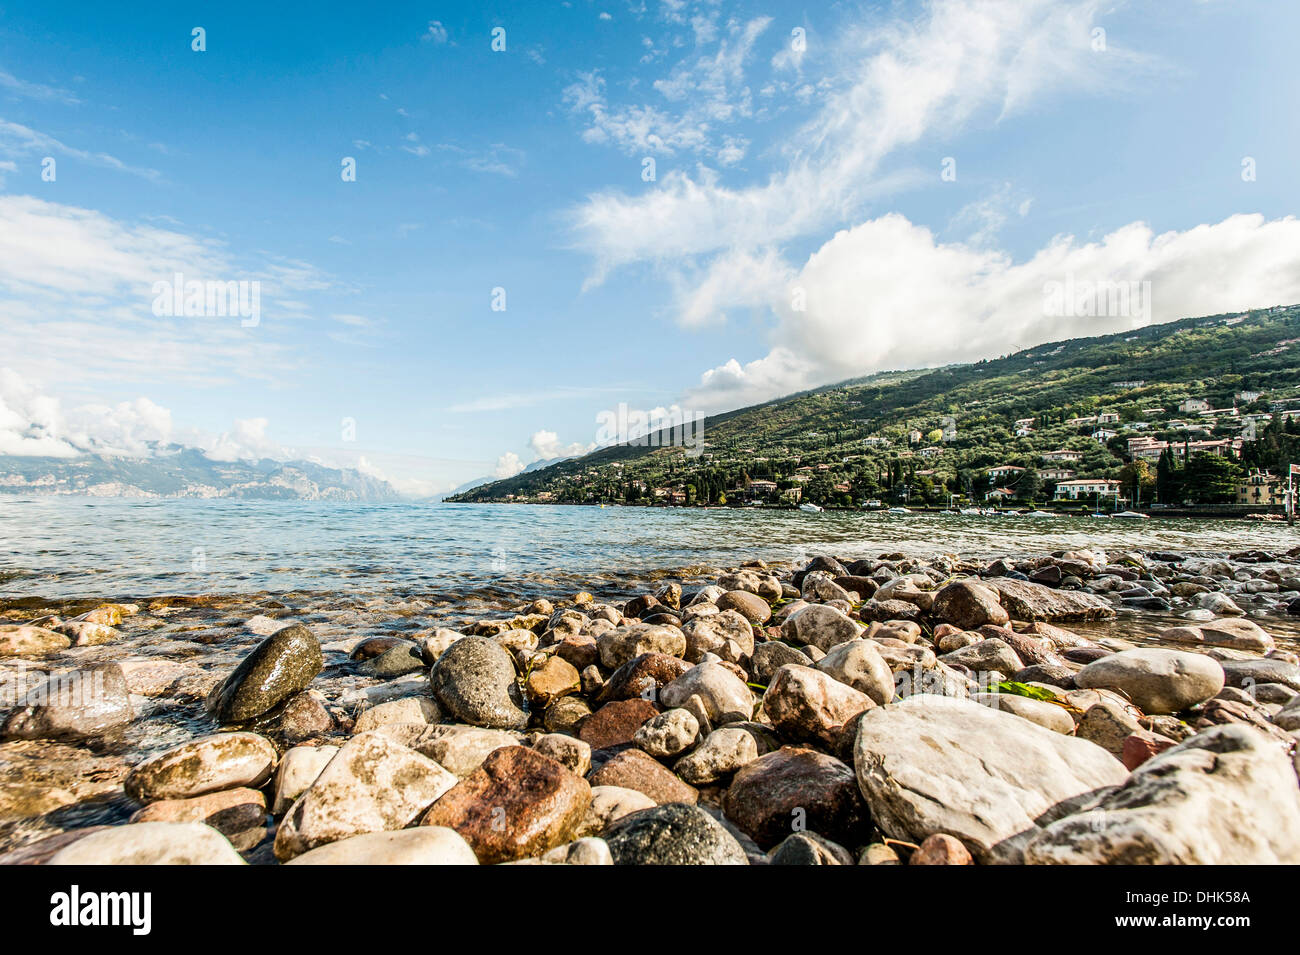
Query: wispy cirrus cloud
[[35, 91], [505, 401], [704, 94], [19, 140], [894, 83]]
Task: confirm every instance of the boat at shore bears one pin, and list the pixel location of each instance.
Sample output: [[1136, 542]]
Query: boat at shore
[[811, 508]]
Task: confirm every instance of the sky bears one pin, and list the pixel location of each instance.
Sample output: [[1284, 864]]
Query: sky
[[475, 230]]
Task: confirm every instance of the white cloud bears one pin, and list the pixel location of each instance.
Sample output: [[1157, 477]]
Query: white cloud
[[247, 440], [30, 423], [76, 286], [36, 424], [886, 294], [437, 33], [508, 465], [893, 83], [547, 445]]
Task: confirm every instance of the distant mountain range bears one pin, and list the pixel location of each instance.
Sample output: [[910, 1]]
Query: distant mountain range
[[178, 472]]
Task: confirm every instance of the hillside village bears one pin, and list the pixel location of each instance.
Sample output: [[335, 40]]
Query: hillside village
[[1201, 412]]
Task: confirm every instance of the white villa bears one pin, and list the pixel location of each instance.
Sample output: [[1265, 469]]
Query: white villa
[[1086, 488]]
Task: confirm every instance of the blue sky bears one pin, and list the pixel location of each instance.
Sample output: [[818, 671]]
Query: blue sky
[[795, 148]]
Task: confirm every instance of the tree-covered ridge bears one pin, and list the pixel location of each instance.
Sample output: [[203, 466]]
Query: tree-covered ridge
[[923, 436]]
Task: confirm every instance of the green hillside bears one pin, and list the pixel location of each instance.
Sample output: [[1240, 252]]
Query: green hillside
[[859, 435]]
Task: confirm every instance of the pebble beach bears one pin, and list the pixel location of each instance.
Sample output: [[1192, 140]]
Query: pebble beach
[[1078, 707]]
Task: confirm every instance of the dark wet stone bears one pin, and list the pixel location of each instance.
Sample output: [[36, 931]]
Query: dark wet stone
[[808, 848], [1049, 576], [662, 620], [643, 676], [280, 666], [640, 606], [797, 789], [672, 835], [1146, 603], [828, 564], [398, 660], [374, 646], [883, 610], [474, 680], [864, 587]]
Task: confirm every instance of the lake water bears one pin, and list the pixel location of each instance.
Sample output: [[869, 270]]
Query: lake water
[[65, 547]]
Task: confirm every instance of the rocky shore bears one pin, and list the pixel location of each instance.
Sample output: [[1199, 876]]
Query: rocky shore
[[1077, 708]]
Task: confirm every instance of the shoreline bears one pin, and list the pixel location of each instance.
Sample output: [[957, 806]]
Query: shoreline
[[1270, 512], [670, 705]]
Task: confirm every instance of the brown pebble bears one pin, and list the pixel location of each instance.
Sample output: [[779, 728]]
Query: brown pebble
[[941, 849]]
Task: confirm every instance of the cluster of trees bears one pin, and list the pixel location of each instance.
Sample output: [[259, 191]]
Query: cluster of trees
[[1204, 479], [1276, 447]]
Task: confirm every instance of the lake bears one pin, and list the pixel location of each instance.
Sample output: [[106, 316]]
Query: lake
[[73, 547]]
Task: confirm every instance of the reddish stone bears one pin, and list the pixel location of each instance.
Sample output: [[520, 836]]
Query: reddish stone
[[633, 769], [518, 804], [580, 651], [615, 723], [1141, 746]]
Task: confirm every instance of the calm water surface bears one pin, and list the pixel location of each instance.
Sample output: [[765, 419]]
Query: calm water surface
[[62, 547]]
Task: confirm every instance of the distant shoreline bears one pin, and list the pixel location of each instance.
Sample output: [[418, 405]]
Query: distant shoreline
[[1272, 513]]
